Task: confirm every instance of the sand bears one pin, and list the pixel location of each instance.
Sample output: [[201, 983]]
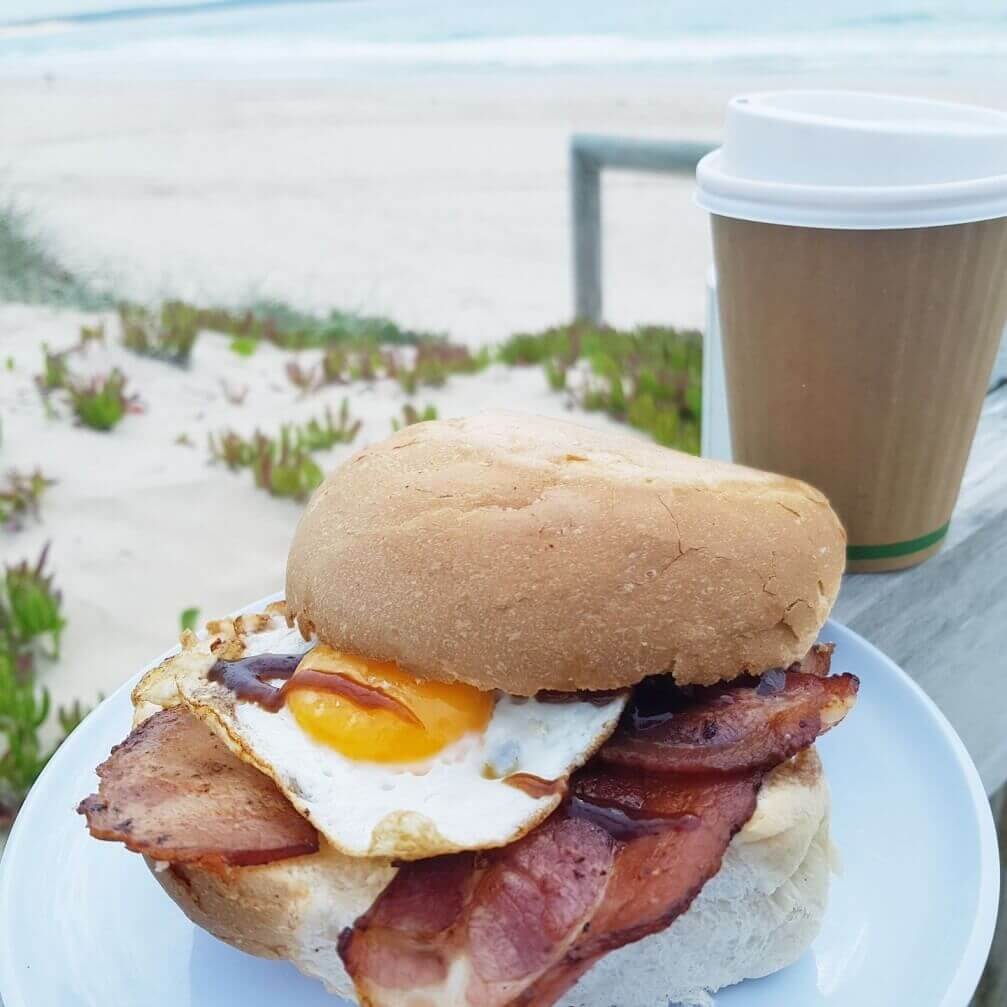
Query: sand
[[440, 201]]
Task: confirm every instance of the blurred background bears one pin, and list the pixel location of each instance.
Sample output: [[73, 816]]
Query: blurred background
[[408, 157], [240, 239]]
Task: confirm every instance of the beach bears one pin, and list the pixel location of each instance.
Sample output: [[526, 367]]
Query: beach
[[440, 202]]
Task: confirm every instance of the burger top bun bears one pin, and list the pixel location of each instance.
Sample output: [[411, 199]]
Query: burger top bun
[[521, 553]]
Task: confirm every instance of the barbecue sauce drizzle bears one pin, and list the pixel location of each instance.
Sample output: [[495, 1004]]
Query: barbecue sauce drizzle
[[653, 702], [623, 823], [619, 821], [535, 786], [249, 677], [599, 697]]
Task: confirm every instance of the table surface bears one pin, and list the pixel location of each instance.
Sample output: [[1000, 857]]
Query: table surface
[[945, 621]]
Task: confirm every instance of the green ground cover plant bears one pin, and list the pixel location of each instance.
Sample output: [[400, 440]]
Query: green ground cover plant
[[31, 624], [283, 464], [411, 415], [167, 334], [99, 403], [20, 496], [102, 402], [649, 377]]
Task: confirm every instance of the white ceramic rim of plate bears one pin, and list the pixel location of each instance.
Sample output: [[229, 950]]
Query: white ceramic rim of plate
[[970, 969], [959, 991]]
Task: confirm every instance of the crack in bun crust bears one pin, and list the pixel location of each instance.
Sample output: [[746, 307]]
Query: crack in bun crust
[[521, 553]]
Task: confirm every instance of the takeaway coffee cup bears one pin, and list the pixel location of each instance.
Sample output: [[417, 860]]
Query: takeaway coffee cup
[[860, 243]]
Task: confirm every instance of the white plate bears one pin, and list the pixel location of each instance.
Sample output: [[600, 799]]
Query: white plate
[[910, 919]]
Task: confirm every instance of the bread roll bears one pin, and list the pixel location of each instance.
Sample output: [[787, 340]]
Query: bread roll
[[717, 943], [757, 915], [521, 553]]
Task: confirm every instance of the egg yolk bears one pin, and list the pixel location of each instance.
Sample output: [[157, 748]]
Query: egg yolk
[[440, 713]]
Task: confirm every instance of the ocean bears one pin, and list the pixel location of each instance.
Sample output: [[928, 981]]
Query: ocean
[[281, 39]]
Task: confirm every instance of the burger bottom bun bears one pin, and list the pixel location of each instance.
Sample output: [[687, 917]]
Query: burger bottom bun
[[757, 915]]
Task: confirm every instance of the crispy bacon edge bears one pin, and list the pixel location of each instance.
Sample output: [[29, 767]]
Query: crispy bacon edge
[[174, 792], [520, 925], [623, 857], [517, 927], [736, 727]]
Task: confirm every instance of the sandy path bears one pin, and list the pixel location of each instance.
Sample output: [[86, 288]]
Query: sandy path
[[441, 202]]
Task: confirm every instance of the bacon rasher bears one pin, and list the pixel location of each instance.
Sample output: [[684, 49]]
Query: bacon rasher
[[644, 827], [624, 856], [173, 791], [729, 728]]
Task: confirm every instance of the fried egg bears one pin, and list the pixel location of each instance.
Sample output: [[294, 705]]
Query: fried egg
[[395, 766]]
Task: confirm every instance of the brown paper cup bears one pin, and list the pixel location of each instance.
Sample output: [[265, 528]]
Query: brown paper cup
[[857, 360]]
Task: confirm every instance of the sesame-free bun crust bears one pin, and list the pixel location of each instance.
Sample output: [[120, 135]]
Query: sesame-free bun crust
[[521, 553], [756, 915], [292, 909]]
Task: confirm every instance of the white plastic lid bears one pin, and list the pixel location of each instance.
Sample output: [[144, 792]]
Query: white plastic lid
[[849, 159]]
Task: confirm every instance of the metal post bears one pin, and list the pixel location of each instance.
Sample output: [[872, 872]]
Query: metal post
[[588, 155], [585, 210]]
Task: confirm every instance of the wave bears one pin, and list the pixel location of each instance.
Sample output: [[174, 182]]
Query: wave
[[287, 48], [960, 20], [150, 10], [894, 19], [535, 51], [34, 29]]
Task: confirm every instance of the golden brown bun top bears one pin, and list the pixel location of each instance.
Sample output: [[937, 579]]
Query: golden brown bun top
[[522, 553]]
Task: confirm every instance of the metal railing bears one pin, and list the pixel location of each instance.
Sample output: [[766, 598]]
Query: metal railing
[[589, 154]]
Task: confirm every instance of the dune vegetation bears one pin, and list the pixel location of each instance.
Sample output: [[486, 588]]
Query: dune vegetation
[[647, 377]]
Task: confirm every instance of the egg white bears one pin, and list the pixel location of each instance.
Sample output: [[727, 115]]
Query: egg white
[[455, 801]]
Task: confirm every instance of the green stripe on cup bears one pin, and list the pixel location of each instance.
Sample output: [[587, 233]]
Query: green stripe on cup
[[894, 549]]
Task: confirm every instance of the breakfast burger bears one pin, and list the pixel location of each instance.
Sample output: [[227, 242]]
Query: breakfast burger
[[534, 725]]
